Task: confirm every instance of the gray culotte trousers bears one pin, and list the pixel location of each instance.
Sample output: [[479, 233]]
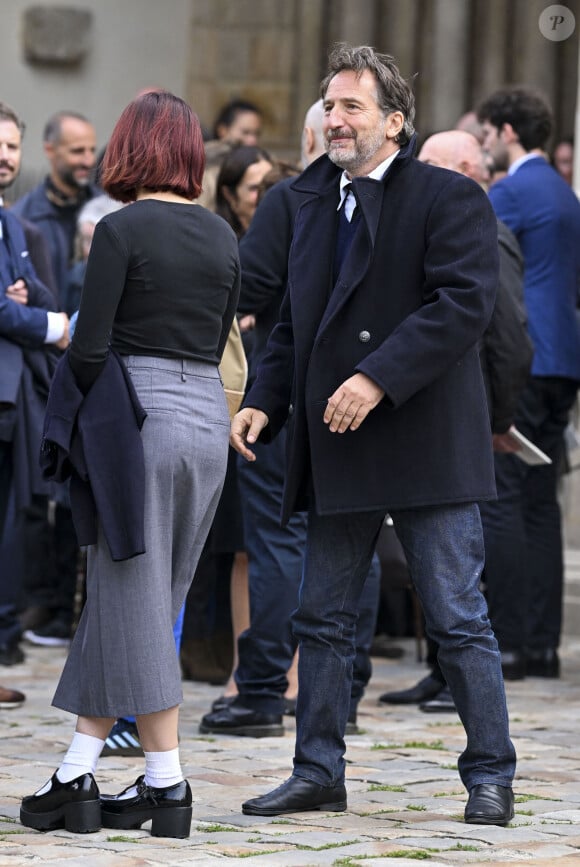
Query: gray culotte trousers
[[122, 660]]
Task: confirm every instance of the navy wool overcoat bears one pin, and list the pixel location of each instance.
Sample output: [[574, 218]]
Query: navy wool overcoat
[[413, 298]]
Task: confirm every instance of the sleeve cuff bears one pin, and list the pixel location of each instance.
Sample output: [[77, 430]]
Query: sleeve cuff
[[55, 327]]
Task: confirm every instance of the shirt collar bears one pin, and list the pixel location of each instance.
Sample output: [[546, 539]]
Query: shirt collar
[[376, 174], [519, 162]]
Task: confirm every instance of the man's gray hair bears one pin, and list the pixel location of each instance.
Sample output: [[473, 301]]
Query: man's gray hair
[[393, 92], [97, 208]]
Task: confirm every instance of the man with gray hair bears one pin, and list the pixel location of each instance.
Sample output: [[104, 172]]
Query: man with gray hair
[[391, 283]]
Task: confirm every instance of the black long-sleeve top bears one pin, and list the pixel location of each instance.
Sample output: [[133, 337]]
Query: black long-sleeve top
[[163, 279]]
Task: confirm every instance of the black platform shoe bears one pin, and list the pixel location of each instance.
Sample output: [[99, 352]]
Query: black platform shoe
[[74, 806], [169, 809]]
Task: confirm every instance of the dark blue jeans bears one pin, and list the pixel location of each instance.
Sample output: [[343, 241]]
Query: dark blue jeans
[[522, 528], [444, 549], [275, 562]]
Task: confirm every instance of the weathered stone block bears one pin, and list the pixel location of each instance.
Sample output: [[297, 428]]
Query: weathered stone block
[[56, 34]]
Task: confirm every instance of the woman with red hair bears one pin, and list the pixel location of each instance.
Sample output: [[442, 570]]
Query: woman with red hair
[[160, 294]]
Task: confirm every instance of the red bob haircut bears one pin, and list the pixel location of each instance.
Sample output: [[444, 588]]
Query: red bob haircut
[[157, 145]]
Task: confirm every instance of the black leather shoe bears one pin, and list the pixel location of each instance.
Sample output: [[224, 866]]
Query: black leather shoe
[[543, 663], [297, 796], [422, 691], [441, 703], [11, 654], [74, 806], [513, 664], [169, 809], [489, 805], [222, 701], [235, 719]]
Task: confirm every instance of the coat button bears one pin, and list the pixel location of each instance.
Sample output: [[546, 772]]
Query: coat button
[[364, 336]]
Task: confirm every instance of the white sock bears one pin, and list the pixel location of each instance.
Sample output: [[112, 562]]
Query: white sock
[[81, 758], [163, 769]]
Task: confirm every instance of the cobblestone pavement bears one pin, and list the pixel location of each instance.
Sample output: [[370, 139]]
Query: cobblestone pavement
[[405, 798]]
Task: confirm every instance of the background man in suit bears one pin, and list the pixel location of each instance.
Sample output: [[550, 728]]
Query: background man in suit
[[524, 561], [506, 356], [50, 568], [376, 354], [27, 323]]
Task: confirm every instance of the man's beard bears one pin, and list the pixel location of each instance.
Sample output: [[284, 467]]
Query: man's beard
[[363, 151], [68, 177], [7, 182]]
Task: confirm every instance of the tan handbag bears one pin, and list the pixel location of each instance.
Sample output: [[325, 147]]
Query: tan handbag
[[234, 369]]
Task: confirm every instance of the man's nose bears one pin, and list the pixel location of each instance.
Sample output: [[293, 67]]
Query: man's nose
[[335, 118]]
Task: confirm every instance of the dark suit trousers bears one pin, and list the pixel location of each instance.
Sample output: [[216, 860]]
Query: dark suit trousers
[[522, 529], [9, 625], [276, 558]]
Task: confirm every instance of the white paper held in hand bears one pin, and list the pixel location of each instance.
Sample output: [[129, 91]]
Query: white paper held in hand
[[528, 452]]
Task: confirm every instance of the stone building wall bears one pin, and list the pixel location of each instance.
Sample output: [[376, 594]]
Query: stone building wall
[[457, 51]]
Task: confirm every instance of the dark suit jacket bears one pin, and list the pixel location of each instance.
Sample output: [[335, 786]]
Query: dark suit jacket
[[264, 262], [408, 309], [26, 363], [507, 350], [95, 440]]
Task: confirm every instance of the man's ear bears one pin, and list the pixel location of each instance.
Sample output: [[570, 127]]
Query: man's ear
[[464, 167], [48, 148], [395, 121], [308, 140], [508, 134]]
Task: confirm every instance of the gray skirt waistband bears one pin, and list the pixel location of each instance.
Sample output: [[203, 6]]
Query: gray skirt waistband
[[190, 366]]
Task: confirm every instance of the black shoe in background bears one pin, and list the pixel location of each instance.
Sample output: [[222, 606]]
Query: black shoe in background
[[235, 719], [513, 664], [440, 703], [543, 663], [425, 689], [11, 654]]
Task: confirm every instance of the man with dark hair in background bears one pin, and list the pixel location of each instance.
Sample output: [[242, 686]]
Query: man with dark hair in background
[[524, 549]]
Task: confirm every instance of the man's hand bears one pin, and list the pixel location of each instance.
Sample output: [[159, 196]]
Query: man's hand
[[246, 428], [18, 291], [352, 401], [505, 444], [65, 339], [247, 322]]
